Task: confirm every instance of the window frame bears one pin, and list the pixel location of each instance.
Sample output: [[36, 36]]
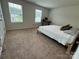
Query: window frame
[[40, 16], [22, 20]]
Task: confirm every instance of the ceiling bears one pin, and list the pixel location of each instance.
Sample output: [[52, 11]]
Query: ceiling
[[54, 3]]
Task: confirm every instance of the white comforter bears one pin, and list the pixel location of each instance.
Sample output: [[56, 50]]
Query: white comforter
[[54, 32]]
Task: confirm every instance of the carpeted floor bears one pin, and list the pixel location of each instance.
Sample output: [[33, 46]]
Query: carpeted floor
[[28, 44]]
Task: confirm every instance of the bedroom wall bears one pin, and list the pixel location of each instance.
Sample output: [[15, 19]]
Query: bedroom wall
[[28, 14], [65, 15]]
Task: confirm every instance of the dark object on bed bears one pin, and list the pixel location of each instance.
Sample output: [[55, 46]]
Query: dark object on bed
[[66, 27]]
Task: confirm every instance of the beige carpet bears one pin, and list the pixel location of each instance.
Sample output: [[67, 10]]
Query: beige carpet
[[27, 44]]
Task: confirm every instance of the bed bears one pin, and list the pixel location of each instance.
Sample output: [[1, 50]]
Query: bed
[[54, 32]]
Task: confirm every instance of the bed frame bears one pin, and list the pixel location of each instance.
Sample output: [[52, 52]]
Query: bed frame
[[69, 46]]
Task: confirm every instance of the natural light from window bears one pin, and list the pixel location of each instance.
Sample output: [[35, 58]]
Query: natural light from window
[[38, 15], [15, 12]]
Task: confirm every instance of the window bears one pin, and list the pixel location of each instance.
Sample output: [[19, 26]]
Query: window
[[38, 15], [15, 12]]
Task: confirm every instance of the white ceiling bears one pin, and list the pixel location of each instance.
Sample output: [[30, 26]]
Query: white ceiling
[[54, 3]]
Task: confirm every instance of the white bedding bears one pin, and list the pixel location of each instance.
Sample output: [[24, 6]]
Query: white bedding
[[76, 55], [54, 32]]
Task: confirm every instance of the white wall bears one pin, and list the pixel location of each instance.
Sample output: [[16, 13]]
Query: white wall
[[65, 15], [28, 15]]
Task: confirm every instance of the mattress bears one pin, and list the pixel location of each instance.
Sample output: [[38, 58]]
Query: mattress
[[54, 32]]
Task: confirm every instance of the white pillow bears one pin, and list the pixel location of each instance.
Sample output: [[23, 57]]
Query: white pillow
[[72, 31]]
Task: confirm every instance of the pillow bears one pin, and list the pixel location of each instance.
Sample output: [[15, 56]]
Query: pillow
[[72, 31], [66, 27]]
